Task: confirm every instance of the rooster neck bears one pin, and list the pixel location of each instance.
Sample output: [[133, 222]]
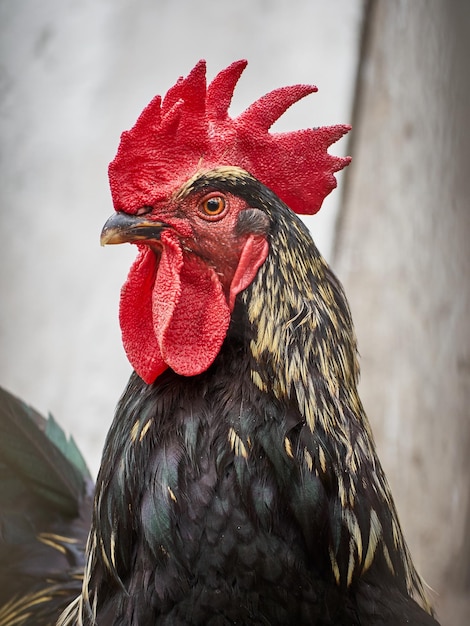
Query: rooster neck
[[173, 441], [302, 340], [273, 430]]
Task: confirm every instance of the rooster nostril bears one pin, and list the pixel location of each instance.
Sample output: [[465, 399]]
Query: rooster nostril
[[143, 210]]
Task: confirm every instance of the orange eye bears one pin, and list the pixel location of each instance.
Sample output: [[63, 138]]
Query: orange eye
[[213, 206]]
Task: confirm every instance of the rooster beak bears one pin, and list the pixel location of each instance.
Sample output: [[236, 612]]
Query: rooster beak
[[124, 228]]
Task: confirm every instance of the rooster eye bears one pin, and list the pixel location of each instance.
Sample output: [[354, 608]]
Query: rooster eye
[[212, 206]]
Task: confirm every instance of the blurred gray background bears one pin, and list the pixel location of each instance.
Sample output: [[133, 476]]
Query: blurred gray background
[[73, 75]]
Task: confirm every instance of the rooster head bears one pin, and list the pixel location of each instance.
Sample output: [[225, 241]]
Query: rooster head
[[180, 185]]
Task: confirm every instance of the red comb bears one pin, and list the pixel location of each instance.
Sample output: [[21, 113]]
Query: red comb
[[191, 131]]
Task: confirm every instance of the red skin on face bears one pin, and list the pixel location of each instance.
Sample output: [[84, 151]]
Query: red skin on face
[[176, 305]]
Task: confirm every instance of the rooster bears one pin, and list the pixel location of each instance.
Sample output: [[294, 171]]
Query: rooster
[[239, 482]]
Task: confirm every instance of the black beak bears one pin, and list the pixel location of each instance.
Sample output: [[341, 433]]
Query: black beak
[[124, 228]]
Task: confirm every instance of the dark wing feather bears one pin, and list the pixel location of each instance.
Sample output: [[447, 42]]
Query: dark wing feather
[[45, 510], [37, 452]]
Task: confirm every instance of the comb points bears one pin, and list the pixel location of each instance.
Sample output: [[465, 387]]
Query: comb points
[[191, 129], [221, 89], [269, 108]]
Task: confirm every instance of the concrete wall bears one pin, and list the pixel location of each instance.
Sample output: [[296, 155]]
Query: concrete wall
[[403, 253]]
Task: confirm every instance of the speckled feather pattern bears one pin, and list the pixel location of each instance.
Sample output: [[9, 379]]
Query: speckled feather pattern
[[252, 493]]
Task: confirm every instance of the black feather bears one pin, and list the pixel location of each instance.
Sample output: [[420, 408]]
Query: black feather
[[45, 510], [252, 493], [249, 494], [37, 451]]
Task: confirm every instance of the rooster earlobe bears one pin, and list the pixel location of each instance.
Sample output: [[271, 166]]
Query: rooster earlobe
[[254, 254]]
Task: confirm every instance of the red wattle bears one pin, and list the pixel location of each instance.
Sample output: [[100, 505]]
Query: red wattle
[[135, 317], [192, 329], [173, 312], [253, 256]]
